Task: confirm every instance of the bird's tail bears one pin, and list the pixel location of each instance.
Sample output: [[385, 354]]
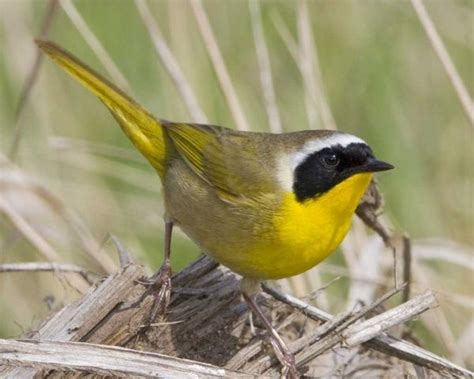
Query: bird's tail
[[144, 130]]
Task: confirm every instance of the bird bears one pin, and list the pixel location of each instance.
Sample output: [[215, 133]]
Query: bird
[[265, 205]]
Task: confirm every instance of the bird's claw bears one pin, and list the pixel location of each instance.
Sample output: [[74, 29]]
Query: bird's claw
[[160, 287], [287, 360]]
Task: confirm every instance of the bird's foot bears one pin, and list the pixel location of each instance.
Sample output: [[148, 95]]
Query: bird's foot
[[286, 358], [161, 291], [284, 355], [160, 287]]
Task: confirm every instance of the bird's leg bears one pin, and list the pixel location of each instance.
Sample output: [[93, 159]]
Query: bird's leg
[[160, 282], [250, 288]]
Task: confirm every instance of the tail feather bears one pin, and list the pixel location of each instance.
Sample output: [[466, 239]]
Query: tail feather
[[144, 130]]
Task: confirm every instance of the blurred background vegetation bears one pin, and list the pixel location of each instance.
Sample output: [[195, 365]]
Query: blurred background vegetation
[[73, 177]]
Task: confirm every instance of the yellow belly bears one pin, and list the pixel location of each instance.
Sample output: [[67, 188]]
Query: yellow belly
[[303, 234]]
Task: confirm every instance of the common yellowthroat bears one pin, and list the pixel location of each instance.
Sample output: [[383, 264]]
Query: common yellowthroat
[[267, 206]]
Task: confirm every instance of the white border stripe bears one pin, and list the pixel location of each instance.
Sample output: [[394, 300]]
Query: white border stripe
[[314, 146]]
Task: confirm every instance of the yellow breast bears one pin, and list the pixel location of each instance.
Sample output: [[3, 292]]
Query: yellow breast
[[305, 233]]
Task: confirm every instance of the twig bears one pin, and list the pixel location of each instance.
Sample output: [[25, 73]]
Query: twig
[[105, 360], [401, 247], [384, 343], [79, 319], [300, 347], [31, 79], [395, 267], [48, 266], [124, 255], [445, 59], [371, 328], [170, 63], [369, 211], [219, 65], [329, 334], [333, 334], [350, 334], [342, 328], [93, 42], [265, 69], [314, 294], [407, 264], [371, 307]]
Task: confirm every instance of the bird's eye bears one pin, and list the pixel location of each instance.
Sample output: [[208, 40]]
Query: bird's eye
[[331, 160]]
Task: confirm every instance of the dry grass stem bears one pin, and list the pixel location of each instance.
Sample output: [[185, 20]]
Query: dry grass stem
[[368, 265], [14, 179], [31, 79], [372, 327], [265, 69], [48, 267], [447, 336], [465, 342], [445, 59], [28, 231], [436, 321], [305, 59], [317, 108], [106, 360], [370, 212], [170, 63], [124, 255], [385, 343], [344, 272], [407, 265], [445, 251], [111, 168], [312, 81], [75, 146], [219, 66], [285, 35], [106, 315], [311, 69], [96, 46], [350, 334], [89, 189], [42, 246], [303, 55]]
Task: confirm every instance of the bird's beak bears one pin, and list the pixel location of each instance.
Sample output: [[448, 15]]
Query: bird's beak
[[374, 165]]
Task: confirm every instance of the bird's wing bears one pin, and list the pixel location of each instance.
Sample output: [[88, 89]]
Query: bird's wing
[[230, 161]]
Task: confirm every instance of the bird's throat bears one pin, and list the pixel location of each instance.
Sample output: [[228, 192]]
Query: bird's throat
[[307, 232]]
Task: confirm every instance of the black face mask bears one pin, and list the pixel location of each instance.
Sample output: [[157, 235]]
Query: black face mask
[[326, 168]]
